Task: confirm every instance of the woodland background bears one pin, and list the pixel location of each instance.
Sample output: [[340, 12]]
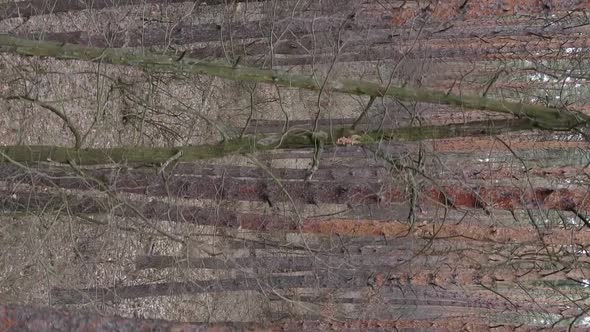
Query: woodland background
[[154, 192]]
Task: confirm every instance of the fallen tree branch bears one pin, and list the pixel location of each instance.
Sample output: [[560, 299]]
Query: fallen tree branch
[[249, 144], [542, 116]]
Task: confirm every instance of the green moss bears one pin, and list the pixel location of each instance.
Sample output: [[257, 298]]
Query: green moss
[[138, 154]]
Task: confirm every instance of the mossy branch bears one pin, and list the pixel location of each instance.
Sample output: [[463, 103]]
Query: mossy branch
[[545, 117], [249, 144]]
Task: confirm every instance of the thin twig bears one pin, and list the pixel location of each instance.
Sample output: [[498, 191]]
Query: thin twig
[[77, 137], [170, 160], [363, 113], [492, 81], [318, 149], [135, 210]]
